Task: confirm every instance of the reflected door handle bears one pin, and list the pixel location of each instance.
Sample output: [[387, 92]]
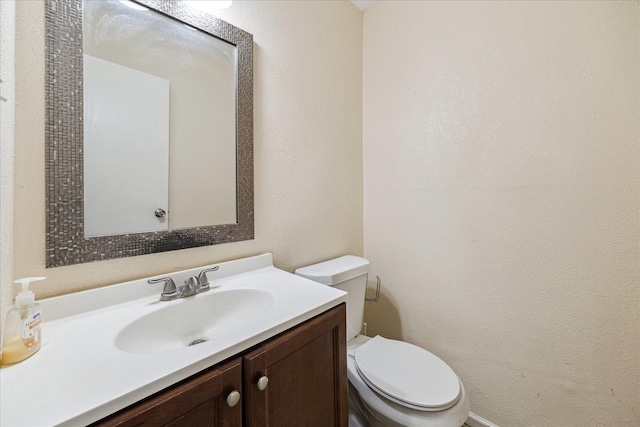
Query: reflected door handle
[[160, 213]]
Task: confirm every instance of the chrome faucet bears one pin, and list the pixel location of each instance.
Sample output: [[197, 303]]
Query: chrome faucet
[[193, 285]]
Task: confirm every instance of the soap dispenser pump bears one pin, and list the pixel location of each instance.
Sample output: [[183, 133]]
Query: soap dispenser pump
[[22, 334]]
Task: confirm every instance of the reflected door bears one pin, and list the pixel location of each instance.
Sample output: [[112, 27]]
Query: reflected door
[[126, 149]]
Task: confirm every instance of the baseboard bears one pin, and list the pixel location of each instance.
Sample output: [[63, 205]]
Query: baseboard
[[477, 421]]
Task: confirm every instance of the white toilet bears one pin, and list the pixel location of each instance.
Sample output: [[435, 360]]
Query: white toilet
[[391, 383]]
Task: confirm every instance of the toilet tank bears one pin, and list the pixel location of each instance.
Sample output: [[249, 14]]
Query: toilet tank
[[347, 273]]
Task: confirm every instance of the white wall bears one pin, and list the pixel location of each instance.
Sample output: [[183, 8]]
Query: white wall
[[7, 120], [307, 145], [502, 200]]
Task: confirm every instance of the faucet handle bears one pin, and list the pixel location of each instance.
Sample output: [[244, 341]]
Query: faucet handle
[[170, 291], [203, 280]]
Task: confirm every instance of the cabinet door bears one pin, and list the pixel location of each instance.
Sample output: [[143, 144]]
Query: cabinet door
[[306, 371], [197, 401]]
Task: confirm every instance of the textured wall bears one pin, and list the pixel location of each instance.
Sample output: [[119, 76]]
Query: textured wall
[[7, 117], [502, 200], [307, 145]]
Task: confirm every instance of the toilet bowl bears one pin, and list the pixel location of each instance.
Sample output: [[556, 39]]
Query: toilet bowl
[[448, 408], [391, 383]]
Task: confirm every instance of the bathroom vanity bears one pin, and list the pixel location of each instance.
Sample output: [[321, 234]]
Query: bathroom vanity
[[296, 379], [261, 348]]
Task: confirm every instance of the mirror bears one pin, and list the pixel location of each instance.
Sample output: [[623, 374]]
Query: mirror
[[159, 109], [149, 131]]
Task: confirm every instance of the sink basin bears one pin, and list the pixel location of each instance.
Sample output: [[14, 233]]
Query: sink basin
[[186, 322]]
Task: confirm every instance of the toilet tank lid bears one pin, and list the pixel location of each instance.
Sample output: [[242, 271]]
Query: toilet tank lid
[[335, 271]]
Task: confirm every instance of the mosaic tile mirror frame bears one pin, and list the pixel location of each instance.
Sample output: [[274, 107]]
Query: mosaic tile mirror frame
[[66, 242]]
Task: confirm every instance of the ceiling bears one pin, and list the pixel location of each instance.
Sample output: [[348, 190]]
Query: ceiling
[[363, 4]]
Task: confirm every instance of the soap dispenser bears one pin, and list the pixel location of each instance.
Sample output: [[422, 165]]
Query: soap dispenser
[[22, 334]]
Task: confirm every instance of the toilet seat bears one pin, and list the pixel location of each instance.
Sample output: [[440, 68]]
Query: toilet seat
[[407, 374]]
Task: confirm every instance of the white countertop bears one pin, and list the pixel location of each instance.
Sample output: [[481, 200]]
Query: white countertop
[[80, 376]]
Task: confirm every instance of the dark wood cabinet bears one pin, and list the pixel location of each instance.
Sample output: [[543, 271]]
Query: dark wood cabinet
[[306, 372], [198, 401], [298, 378]]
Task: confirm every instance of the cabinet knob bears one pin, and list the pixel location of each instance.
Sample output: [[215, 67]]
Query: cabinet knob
[[262, 383], [233, 398]]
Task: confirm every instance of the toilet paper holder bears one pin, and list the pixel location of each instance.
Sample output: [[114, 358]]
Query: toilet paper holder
[[377, 297]]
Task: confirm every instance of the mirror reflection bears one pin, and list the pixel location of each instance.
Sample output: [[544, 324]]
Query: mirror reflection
[[168, 104], [159, 122]]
